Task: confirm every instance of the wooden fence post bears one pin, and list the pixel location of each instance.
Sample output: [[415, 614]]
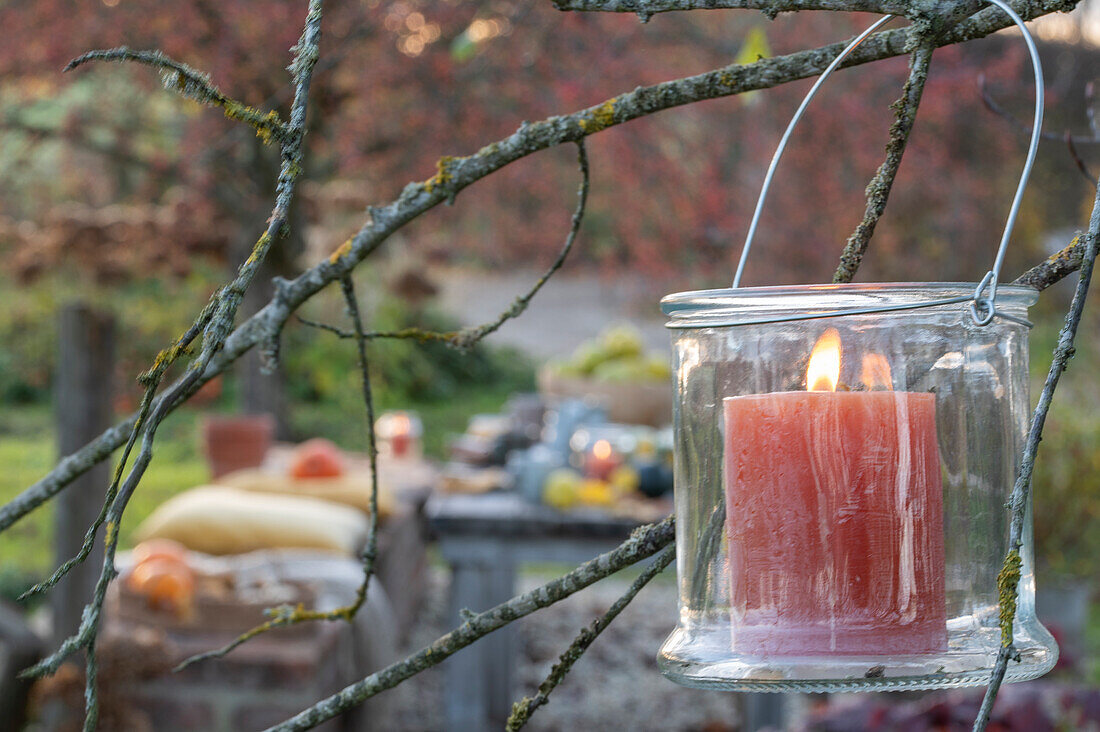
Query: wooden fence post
[[85, 368]]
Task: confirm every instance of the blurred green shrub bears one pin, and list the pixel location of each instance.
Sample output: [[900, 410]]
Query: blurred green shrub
[[149, 315], [319, 366], [1067, 485], [1066, 482], [322, 368], [28, 344]]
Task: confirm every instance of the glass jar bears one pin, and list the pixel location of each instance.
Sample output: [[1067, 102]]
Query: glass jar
[[841, 485]]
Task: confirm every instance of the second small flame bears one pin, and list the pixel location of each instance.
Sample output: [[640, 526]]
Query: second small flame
[[876, 372]]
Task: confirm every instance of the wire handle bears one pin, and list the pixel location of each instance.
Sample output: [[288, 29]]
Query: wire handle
[[983, 304]]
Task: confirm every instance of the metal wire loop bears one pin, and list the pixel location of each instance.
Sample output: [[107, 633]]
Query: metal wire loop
[[983, 307]]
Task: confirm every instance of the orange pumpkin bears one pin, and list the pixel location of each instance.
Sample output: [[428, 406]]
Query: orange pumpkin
[[317, 458], [166, 584]]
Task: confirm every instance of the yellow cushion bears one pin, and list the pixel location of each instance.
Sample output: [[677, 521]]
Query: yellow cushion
[[220, 520]]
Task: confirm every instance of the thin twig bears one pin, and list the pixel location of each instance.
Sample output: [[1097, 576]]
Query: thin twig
[[1081, 166], [1023, 128], [468, 337], [525, 707], [407, 334], [878, 190], [193, 84], [370, 555], [285, 615], [1009, 578], [1071, 140], [644, 542]]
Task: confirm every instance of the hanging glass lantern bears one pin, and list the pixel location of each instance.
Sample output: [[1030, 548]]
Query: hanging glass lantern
[[843, 458]]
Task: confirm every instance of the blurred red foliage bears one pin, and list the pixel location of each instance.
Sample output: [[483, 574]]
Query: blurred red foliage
[[403, 82]]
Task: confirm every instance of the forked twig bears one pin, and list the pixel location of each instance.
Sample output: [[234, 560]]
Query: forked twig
[[468, 337]]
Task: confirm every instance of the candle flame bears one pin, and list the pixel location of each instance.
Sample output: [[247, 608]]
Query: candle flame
[[602, 449], [876, 372], [402, 425], [823, 373]]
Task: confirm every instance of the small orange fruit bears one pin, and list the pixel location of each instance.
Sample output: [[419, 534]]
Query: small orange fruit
[[165, 583], [317, 458]]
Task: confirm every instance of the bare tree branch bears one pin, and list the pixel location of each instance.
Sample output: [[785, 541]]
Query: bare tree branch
[[1055, 267], [1009, 578], [878, 190], [647, 8], [644, 542], [934, 15]]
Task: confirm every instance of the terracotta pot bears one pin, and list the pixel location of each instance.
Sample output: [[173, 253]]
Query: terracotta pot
[[233, 443]]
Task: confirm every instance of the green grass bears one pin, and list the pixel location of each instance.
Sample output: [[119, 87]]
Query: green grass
[[28, 450]]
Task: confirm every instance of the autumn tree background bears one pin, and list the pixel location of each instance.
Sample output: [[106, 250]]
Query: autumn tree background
[[113, 187]]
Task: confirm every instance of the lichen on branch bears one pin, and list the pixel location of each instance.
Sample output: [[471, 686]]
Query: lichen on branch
[[195, 85]]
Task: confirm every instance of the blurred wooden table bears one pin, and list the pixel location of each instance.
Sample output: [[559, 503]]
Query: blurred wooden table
[[484, 538]]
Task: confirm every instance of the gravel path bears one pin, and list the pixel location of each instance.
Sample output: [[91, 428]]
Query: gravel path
[[570, 309]]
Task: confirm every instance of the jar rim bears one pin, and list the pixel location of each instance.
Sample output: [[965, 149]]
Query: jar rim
[[743, 301]]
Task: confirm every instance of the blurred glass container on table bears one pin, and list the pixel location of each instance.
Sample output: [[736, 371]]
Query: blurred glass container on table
[[399, 435]]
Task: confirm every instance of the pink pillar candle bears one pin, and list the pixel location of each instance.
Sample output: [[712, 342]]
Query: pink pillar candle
[[834, 515]]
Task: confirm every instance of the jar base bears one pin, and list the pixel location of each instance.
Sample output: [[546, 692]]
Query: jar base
[[950, 669]]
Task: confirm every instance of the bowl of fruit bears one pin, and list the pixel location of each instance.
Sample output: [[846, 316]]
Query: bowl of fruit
[[615, 371]]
